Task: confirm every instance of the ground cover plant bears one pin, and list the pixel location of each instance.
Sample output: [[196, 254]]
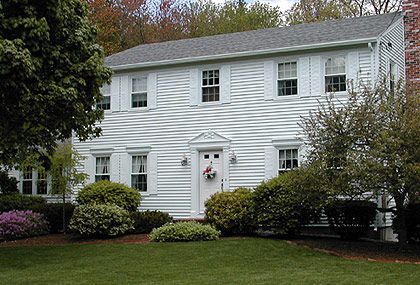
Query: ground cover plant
[[226, 261]]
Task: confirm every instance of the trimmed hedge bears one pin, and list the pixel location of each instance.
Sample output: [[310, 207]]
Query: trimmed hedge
[[287, 202], [21, 224], [53, 213], [145, 222], [100, 220], [106, 192], [350, 218], [230, 212], [18, 201], [184, 231]]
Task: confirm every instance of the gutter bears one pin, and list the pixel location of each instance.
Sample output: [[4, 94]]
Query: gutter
[[242, 54]]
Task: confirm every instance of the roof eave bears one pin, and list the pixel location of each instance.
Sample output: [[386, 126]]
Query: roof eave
[[241, 54]]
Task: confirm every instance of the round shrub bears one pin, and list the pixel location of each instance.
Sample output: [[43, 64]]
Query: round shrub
[[21, 224], [100, 220], [287, 202], [230, 212], [145, 222], [106, 192], [18, 201], [184, 231], [350, 218]]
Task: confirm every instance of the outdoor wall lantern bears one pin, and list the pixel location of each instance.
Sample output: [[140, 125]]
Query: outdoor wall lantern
[[184, 160], [232, 157]]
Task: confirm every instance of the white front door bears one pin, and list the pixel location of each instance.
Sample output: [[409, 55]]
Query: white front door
[[209, 186]]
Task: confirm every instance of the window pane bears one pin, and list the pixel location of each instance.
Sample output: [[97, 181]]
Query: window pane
[[139, 100], [139, 84], [210, 77], [106, 89], [139, 182], [287, 87], [139, 164], [335, 83], [102, 165], [27, 187], [105, 103], [288, 159], [210, 94], [335, 65], [102, 177], [41, 187], [287, 70]]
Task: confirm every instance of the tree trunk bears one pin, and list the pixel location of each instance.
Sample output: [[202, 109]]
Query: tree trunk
[[401, 222], [64, 212]]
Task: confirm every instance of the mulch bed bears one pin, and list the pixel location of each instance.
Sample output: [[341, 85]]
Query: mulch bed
[[363, 249], [62, 239]]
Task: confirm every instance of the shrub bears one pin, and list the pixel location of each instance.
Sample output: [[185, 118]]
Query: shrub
[[21, 224], [350, 218], [145, 222], [106, 192], [184, 231], [8, 185], [100, 220], [19, 202], [412, 220], [230, 212], [287, 202], [53, 213]]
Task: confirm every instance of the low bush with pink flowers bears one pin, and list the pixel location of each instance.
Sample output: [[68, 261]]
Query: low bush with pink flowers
[[21, 224]]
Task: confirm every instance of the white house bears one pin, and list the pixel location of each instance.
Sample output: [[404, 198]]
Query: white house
[[231, 101]]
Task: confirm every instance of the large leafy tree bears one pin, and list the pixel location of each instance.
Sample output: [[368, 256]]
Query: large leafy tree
[[370, 144], [51, 69]]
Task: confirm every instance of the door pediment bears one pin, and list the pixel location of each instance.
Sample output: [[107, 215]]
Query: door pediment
[[209, 139]]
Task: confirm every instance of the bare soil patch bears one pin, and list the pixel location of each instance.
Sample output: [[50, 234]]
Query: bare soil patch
[[363, 249], [62, 239]]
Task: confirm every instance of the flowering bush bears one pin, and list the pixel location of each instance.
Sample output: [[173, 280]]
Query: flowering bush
[[184, 231], [101, 220], [20, 224]]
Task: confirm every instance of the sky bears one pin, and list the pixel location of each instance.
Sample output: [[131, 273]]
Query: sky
[[283, 4]]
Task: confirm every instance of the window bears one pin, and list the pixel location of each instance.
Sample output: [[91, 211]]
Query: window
[[210, 86], [27, 181], [42, 183], [139, 172], [139, 92], [287, 79], [288, 159], [335, 74], [105, 103], [102, 168], [393, 75]]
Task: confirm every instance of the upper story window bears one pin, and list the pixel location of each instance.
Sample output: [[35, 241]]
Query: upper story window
[[102, 168], [393, 75], [105, 103], [335, 74], [139, 92], [287, 79], [139, 172], [288, 159], [210, 85]]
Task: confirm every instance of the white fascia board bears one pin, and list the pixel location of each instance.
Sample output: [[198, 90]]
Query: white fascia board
[[242, 54]]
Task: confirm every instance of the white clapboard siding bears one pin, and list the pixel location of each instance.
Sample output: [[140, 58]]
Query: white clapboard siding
[[317, 72], [250, 121], [225, 84], [304, 76]]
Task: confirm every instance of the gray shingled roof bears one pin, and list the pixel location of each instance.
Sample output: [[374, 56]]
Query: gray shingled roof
[[256, 40]]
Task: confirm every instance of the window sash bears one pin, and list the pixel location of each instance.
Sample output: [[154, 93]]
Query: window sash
[[139, 172], [287, 87], [287, 70], [139, 84], [288, 159], [335, 66], [105, 103], [106, 89], [139, 100], [335, 83]]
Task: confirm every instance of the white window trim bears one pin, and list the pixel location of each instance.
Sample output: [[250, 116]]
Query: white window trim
[[323, 61], [200, 85], [109, 167], [34, 181], [110, 99], [131, 155], [276, 79], [130, 92]]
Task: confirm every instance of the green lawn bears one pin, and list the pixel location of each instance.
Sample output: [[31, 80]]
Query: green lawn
[[232, 261]]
